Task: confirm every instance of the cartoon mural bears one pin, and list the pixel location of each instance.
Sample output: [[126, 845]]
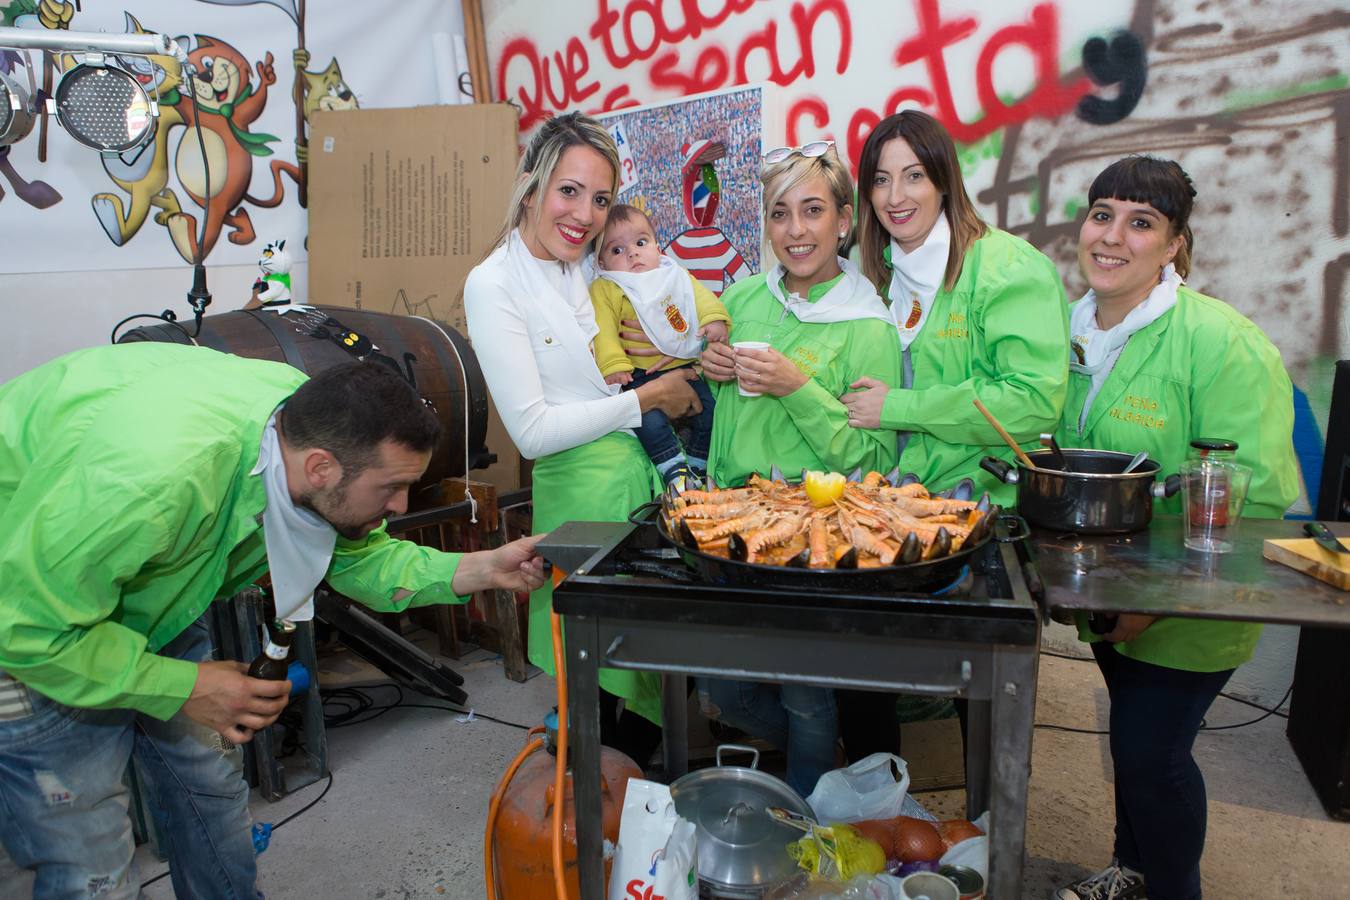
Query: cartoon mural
[[254, 120], [144, 178], [1253, 99]]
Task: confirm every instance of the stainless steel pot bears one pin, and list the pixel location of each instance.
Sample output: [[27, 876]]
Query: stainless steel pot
[[742, 850], [1092, 497]]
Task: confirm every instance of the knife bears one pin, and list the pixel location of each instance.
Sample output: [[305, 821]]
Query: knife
[[1325, 539]]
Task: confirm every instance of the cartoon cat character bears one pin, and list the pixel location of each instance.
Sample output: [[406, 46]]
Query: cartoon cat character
[[273, 287], [144, 176], [326, 89], [227, 104]]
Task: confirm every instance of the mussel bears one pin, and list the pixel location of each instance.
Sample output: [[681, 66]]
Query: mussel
[[910, 550], [941, 546]]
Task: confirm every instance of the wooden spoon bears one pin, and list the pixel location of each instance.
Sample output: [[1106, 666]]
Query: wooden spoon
[[1007, 438]]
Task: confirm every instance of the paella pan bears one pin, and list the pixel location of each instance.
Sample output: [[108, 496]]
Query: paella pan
[[827, 532]]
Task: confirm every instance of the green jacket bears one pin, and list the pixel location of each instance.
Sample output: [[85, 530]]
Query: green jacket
[[128, 507], [1000, 335], [808, 429], [1201, 370]]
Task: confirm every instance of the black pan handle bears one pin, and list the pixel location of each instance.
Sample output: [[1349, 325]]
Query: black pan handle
[[1167, 487], [1100, 623], [641, 515], [1001, 470]]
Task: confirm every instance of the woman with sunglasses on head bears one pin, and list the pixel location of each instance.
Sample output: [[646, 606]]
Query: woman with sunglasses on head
[[533, 326], [825, 327], [1143, 339], [978, 314]]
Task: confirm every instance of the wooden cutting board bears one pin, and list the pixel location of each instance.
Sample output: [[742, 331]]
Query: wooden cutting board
[[1307, 557]]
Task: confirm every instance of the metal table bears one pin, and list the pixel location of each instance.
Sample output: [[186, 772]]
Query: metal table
[[1152, 572], [982, 647]]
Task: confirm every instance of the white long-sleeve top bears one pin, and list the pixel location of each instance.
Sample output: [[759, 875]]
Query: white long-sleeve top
[[542, 377]]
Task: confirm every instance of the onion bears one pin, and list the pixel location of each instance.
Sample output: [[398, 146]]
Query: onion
[[954, 831], [917, 840]]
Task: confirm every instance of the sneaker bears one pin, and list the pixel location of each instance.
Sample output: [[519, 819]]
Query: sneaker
[[1111, 883], [680, 478]]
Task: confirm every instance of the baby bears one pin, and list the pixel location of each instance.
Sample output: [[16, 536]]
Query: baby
[[677, 313]]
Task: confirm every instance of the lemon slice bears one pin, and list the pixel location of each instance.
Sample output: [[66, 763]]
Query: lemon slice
[[823, 488]]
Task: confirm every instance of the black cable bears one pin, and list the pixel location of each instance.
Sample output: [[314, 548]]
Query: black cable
[[355, 703], [1268, 714], [166, 316], [199, 297], [304, 809], [1269, 711], [1048, 727]]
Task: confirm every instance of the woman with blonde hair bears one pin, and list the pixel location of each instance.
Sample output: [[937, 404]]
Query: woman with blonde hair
[[978, 315], [825, 328], [532, 326]]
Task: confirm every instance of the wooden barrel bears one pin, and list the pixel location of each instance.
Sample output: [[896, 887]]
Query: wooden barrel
[[438, 348]]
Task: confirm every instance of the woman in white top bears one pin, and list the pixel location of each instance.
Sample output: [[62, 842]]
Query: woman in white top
[[532, 326]]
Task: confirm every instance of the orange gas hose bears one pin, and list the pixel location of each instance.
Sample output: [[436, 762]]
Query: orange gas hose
[[489, 860]]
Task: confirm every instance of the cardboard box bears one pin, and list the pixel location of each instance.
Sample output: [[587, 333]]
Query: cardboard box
[[402, 204]]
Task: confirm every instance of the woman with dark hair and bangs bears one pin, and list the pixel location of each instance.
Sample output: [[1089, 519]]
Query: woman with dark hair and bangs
[[979, 314], [1141, 337]]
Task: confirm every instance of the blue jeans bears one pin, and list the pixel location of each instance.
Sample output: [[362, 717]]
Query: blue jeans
[[798, 719], [658, 436], [1160, 793], [64, 802]]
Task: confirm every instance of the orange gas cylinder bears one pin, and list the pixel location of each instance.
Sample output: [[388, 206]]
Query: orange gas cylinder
[[522, 833]]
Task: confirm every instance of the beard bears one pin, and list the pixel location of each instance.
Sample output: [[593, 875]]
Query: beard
[[331, 506]]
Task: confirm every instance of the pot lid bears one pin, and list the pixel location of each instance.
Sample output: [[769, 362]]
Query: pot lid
[[739, 844]]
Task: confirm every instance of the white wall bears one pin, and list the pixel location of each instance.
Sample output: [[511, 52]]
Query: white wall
[[57, 312]]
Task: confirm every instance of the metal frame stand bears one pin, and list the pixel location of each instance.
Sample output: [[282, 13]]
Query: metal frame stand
[[998, 678]]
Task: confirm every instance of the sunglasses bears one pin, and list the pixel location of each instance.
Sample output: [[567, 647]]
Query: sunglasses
[[813, 149]]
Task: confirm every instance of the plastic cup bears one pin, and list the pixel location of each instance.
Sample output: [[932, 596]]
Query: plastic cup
[[749, 345], [1212, 494]]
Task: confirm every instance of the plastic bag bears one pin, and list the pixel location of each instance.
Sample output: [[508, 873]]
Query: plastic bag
[[874, 787], [657, 852], [973, 853]]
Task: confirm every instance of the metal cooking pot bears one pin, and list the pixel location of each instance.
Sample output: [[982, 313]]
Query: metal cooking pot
[[742, 850], [1093, 497]]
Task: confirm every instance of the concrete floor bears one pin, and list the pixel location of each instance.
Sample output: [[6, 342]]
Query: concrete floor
[[404, 817]]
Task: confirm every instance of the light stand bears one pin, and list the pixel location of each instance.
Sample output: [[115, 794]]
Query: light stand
[[95, 46]]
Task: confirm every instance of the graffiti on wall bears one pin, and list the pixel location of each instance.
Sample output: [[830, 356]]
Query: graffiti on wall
[[1251, 98]]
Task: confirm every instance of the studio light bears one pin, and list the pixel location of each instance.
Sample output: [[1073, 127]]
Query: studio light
[[104, 107], [17, 113], [100, 104]]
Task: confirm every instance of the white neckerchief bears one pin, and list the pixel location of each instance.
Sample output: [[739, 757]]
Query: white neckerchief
[[664, 301], [299, 542], [1094, 351], [916, 279], [558, 294], [852, 297]]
